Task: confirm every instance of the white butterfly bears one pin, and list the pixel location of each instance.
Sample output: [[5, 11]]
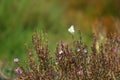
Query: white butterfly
[[71, 29]]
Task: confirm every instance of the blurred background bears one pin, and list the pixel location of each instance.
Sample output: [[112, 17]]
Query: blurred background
[[20, 18]]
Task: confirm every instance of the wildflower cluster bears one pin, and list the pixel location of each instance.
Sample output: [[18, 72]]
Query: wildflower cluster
[[76, 63]]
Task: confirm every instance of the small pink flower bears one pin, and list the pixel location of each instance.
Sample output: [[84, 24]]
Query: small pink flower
[[80, 72], [16, 60], [60, 52], [18, 71], [115, 50], [60, 58], [62, 44]]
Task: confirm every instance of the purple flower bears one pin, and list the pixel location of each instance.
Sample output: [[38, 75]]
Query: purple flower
[[27, 71], [16, 60], [68, 52], [115, 50], [60, 52], [80, 72], [18, 71], [60, 57], [62, 44]]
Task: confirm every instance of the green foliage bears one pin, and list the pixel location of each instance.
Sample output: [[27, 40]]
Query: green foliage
[[18, 19]]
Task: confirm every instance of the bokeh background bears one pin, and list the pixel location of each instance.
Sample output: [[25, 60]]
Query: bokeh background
[[20, 18]]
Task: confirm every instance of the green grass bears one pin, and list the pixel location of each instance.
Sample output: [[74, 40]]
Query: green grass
[[20, 18]]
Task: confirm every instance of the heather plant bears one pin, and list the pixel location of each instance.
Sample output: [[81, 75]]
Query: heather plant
[[74, 62]]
